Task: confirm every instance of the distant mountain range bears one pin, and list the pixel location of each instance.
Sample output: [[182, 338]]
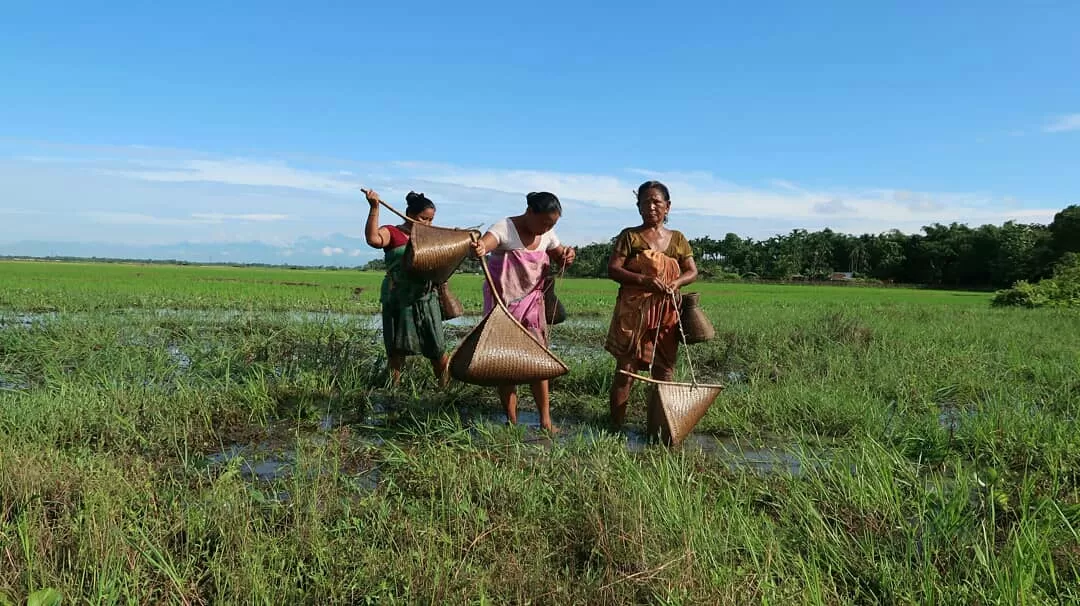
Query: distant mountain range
[[336, 250]]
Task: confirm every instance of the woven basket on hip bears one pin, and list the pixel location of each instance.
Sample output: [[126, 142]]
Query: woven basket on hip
[[695, 324], [554, 310], [434, 253], [500, 351], [449, 304], [675, 408]]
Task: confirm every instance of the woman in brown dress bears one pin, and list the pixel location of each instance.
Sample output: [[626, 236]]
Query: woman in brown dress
[[651, 263]]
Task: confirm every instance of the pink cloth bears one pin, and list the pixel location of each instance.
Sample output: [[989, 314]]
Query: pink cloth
[[519, 279]]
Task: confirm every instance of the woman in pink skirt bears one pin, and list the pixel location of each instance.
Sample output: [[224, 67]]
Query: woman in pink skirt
[[523, 249]]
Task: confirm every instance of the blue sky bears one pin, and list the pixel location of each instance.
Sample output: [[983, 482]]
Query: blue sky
[[140, 125]]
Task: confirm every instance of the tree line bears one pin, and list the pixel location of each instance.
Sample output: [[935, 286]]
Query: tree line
[[954, 255]]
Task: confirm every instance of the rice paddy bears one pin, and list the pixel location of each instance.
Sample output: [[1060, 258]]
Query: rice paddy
[[218, 435]]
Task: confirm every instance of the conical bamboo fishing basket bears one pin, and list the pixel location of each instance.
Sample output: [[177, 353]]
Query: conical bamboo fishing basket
[[500, 351], [434, 253], [554, 309], [675, 408]]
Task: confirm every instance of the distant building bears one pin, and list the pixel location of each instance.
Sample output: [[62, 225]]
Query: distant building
[[841, 276]]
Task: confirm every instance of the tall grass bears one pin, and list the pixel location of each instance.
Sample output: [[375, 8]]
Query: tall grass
[[936, 438]]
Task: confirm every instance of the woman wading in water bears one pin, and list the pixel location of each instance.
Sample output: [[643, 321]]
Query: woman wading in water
[[411, 317], [522, 249], [651, 263]]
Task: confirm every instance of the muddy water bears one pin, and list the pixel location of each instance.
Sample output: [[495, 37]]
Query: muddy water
[[8, 383], [268, 462], [764, 457], [264, 462], [24, 320]]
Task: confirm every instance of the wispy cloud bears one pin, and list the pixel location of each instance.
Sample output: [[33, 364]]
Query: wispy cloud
[[129, 218], [1065, 123], [221, 217], [139, 195], [241, 172], [126, 218], [833, 207]]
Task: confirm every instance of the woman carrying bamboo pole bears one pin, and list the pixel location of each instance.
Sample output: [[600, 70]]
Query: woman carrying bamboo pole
[[411, 317]]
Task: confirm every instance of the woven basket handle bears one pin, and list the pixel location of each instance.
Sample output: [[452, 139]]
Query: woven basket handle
[[487, 273]]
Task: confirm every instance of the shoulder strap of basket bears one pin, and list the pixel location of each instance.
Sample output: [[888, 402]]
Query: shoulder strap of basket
[[682, 333], [549, 285], [674, 302], [487, 274]]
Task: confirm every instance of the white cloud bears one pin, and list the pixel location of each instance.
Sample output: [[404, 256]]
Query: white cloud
[[240, 172], [21, 211], [169, 195], [220, 217], [1065, 123], [126, 218], [703, 195], [833, 207]]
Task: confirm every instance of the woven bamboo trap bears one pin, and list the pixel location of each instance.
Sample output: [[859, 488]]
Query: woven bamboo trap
[[675, 408], [449, 305], [434, 253], [554, 310], [500, 351], [695, 324]]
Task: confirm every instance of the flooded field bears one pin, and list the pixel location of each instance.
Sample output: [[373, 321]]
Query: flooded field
[[175, 444]]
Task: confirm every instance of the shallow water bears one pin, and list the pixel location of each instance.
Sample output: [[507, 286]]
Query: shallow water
[[583, 322], [10, 384], [177, 355], [260, 462], [767, 457], [263, 463], [24, 320], [267, 462], [951, 418]]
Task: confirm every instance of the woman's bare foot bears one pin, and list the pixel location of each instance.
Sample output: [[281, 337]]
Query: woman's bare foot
[[441, 367]]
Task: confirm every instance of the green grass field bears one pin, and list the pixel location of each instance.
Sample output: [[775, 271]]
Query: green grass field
[[186, 435]]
